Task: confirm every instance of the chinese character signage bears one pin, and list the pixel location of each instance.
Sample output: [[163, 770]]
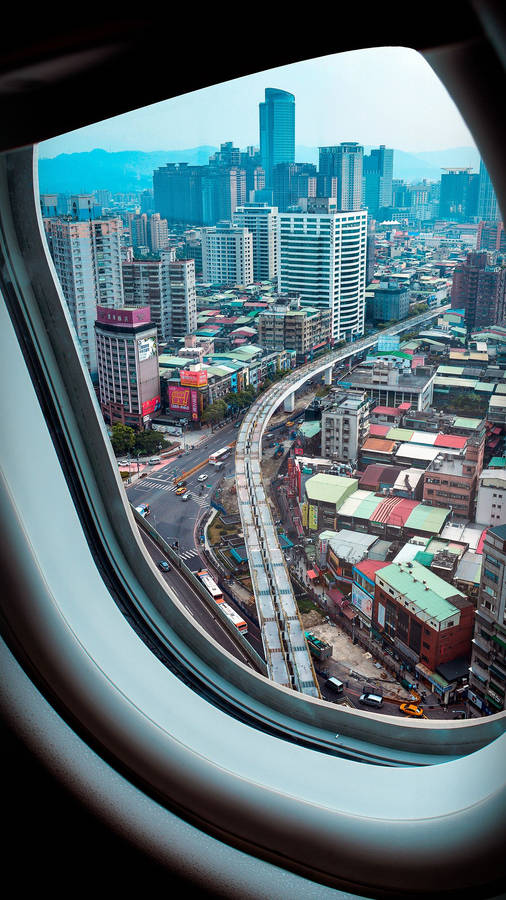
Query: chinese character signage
[[179, 398], [146, 348], [193, 379], [151, 406], [313, 517]]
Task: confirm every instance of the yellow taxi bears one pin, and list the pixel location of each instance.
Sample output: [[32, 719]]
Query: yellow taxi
[[410, 709], [181, 490]]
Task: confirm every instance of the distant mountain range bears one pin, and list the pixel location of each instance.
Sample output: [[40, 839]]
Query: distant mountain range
[[132, 170]]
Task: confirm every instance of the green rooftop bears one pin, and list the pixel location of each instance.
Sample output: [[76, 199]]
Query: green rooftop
[[330, 488], [427, 591], [472, 424]]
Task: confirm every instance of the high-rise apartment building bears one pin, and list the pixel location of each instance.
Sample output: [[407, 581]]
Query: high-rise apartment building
[[262, 221], [345, 162], [87, 259], [277, 130], [378, 174], [227, 254], [177, 192], [139, 230], [458, 199], [491, 236], [158, 233], [178, 283], [291, 182], [322, 257], [488, 207], [223, 190], [127, 359], [479, 287], [143, 286], [487, 675]]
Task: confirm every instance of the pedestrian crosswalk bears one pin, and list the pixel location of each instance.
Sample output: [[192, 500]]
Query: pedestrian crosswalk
[[187, 554]]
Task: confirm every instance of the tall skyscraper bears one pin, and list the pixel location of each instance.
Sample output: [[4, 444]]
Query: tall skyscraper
[[128, 374], [345, 162], [227, 254], [262, 221], [459, 194], [223, 190], [291, 182], [378, 172], [277, 130], [177, 191], [488, 207], [322, 257], [479, 287], [87, 259]]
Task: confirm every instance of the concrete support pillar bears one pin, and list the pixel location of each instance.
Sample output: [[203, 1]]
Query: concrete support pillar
[[328, 375], [289, 403]]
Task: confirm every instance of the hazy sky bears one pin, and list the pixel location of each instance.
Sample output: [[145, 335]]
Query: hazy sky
[[386, 95]]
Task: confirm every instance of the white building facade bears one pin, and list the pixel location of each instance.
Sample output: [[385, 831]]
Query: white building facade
[[87, 259], [227, 254], [322, 257], [262, 221]]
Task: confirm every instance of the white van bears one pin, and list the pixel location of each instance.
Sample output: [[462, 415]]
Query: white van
[[371, 700], [154, 460], [335, 685]]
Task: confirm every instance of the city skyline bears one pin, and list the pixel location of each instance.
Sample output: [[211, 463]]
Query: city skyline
[[359, 95]]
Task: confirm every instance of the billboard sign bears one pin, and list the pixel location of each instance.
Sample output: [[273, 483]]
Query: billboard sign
[[179, 398], [361, 600], [151, 406], [195, 405], [146, 348], [193, 379]]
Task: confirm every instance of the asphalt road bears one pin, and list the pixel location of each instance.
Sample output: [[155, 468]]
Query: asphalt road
[[194, 604], [172, 517]]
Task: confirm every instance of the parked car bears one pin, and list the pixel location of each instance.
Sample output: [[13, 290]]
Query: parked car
[[164, 566], [410, 709], [371, 699]]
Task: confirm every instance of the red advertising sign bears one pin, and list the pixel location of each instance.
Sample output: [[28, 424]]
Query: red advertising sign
[[151, 406], [195, 406], [179, 398], [193, 379], [298, 451]]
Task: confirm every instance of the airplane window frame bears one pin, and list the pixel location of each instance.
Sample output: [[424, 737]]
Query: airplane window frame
[[86, 474]]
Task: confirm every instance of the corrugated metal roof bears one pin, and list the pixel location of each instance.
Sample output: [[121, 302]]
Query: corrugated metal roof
[[427, 518], [330, 488], [399, 434], [423, 588]]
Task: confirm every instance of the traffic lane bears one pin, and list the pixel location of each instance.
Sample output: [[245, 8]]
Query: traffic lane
[[193, 603]]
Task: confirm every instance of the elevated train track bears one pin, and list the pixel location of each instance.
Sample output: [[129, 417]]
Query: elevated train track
[[288, 658]]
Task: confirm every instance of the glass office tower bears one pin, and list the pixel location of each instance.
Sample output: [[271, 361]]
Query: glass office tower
[[277, 130]]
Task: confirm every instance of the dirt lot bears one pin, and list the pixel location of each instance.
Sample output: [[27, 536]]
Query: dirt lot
[[353, 656]]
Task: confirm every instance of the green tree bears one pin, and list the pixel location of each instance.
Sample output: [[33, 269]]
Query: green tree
[[215, 412], [122, 438], [150, 442]]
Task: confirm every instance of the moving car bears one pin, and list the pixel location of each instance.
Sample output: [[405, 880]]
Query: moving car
[[181, 490], [164, 566], [186, 496], [181, 483], [410, 709], [202, 477]]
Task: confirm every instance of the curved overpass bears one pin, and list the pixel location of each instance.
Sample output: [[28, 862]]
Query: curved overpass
[[286, 652]]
